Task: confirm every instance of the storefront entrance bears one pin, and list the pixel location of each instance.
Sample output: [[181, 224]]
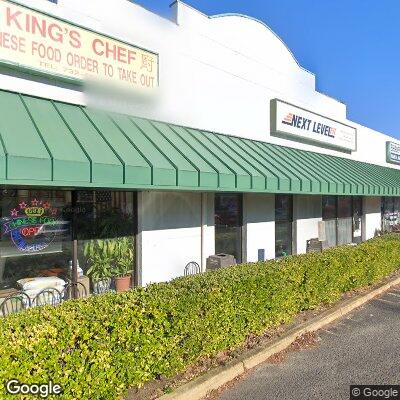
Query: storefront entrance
[[38, 227], [228, 225], [283, 225], [342, 216]]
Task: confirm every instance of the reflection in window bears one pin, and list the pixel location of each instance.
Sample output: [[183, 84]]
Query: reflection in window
[[228, 225], [37, 229], [35, 239], [329, 207], [283, 225], [105, 227], [344, 206], [390, 213]]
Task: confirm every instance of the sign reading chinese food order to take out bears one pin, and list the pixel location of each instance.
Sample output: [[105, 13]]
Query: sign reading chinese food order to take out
[[41, 43]]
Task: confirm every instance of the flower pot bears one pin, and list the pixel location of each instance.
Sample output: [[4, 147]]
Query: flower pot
[[123, 283], [102, 286]]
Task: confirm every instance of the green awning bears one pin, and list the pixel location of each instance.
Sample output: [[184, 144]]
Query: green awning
[[50, 143]]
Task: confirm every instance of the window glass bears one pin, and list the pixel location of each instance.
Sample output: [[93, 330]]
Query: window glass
[[35, 240], [357, 207], [228, 224], [396, 210], [283, 225], [344, 206], [390, 213], [357, 219], [329, 207], [283, 208], [283, 239], [105, 227]]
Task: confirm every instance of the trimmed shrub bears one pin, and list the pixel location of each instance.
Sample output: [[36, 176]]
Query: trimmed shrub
[[96, 348]]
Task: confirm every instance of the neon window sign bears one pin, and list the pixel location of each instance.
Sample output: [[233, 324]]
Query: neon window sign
[[31, 226]]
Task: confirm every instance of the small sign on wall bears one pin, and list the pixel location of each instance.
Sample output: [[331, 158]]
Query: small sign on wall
[[292, 122], [393, 152]]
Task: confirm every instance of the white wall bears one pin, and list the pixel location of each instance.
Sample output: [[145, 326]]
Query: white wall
[[372, 217], [216, 73], [208, 227], [170, 233], [259, 223], [307, 212]]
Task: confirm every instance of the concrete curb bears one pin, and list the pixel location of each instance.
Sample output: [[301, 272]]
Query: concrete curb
[[199, 387]]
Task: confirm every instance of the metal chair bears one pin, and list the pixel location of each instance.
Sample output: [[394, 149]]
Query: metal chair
[[192, 268], [103, 286], [15, 303], [68, 292], [49, 296]]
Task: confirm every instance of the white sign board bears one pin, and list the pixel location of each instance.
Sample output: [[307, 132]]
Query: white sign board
[[393, 152], [295, 122]]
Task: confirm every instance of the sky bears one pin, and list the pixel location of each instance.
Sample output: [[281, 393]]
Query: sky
[[352, 46]]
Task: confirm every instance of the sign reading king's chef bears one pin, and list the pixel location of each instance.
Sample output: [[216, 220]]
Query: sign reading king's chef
[[294, 122], [43, 44]]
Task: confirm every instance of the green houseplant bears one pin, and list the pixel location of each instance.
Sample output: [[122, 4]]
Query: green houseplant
[[99, 256], [123, 265]]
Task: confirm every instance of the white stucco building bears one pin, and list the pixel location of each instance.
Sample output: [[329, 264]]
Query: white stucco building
[[230, 149]]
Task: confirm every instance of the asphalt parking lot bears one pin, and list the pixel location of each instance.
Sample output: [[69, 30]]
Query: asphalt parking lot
[[362, 348]]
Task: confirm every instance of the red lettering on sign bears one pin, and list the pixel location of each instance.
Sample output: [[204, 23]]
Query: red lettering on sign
[[12, 17], [30, 231]]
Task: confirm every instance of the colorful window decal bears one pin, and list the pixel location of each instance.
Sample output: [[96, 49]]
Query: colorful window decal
[[32, 227]]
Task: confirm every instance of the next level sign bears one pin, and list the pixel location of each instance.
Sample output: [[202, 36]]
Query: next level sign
[[39, 43], [393, 152], [294, 122]]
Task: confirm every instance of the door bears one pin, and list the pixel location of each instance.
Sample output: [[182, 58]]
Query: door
[[228, 225], [283, 225], [329, 216], [344, 220], [357, 219]]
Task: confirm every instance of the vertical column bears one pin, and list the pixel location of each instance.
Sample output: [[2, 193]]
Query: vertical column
[[138, 241], [307, 212], [259, 222], [372, 218], [208, 228]]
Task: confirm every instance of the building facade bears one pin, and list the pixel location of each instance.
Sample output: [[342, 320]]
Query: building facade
[[187, 136]]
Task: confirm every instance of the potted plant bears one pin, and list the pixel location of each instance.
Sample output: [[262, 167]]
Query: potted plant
[[99, 256], [123, 264]]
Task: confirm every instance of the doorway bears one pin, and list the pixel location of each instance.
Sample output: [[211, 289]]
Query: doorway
[[343, 219], [228, 224]]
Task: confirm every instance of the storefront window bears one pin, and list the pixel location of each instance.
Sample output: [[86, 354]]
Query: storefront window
[[357, 219], [329, 207], [105, 227], [344, 209], [228, 225], [35, 240], [37, 232], [390, 214], [343, 218], [283, 225]]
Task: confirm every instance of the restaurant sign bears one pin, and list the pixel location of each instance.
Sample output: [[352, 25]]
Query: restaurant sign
[[39, 43], [293, 122], [393, 152], [32, 226]]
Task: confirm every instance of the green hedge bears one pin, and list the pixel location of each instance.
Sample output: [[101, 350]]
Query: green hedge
[[98, 347]]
